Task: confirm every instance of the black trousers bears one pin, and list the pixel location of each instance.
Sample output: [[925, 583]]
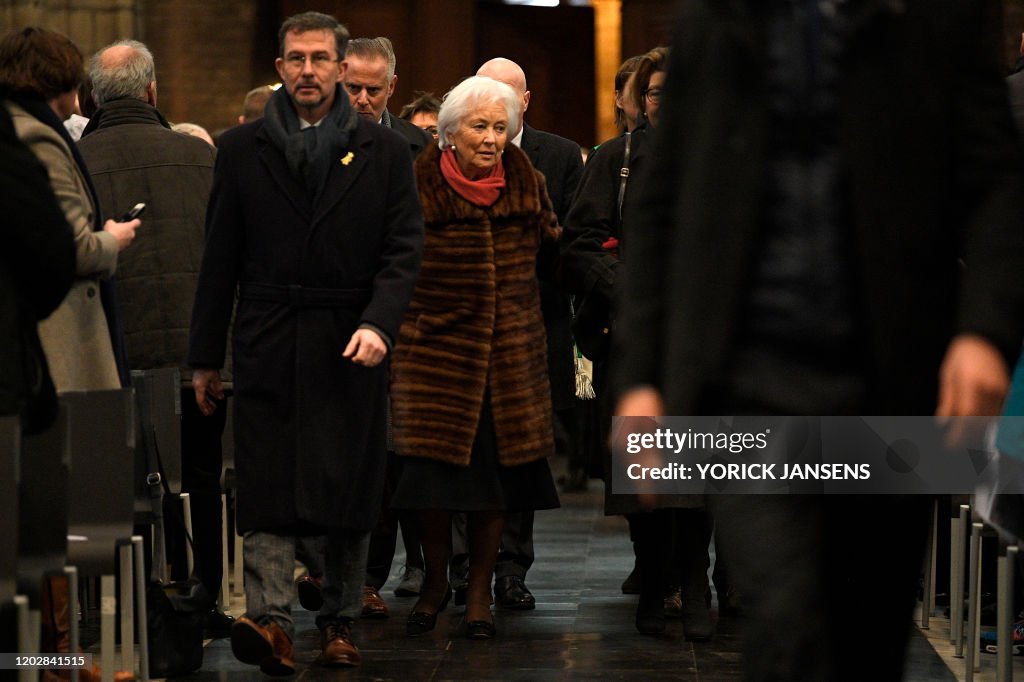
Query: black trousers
[[814, 571], [202, 460]]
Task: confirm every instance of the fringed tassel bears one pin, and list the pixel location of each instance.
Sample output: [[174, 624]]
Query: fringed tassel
[[584, 384]]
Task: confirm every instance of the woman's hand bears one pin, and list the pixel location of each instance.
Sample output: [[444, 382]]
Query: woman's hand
[[124, 232]]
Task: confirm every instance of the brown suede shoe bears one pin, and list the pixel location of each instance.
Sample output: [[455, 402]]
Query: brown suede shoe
[[373, 604], [337, 647], [268, 647]]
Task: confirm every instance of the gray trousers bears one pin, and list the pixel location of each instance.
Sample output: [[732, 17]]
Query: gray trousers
[[270, 567]]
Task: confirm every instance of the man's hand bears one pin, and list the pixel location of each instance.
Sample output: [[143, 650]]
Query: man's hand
[[366, 348], [640, 404], [206, 383], [973, 382]]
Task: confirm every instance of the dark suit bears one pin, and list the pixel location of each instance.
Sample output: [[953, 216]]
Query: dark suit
[[418, 138], [560, 161], [931, 171]]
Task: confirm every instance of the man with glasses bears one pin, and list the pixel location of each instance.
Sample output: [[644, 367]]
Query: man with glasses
[[314, 220]]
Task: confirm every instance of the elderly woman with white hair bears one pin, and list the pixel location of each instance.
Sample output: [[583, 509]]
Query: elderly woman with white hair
[[469, 390]]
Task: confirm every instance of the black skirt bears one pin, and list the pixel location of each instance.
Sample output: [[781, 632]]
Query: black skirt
[[484, 485]]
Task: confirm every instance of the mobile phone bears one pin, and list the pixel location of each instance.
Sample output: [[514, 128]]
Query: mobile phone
[[136, 211]]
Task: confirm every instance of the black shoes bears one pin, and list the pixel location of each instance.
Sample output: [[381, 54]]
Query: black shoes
[[422, 622], [218, 624], [631, 585], [650, 615], [460, 594], [480, 629], [510, 592], [310, 591]]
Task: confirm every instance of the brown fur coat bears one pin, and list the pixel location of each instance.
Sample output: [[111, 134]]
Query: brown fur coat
[[475, 322]]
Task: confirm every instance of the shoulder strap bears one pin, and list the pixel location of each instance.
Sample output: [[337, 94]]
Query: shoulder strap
[[624, 174]]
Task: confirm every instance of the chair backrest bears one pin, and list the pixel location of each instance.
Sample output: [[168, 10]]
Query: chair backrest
[[101, 496], [10, 452], [161, 389], [158, 402], [43, 505]]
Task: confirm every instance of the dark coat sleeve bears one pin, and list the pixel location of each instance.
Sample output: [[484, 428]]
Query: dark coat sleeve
[[219, 272], [417, 138], [40, 248], [402, 252], [585, 265], [991, 180]]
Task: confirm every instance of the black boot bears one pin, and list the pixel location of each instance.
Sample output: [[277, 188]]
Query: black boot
[[651, 537]]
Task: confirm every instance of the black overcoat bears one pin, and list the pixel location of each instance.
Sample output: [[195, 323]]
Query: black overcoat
[[559, 160], [933, 172], [309, 424]]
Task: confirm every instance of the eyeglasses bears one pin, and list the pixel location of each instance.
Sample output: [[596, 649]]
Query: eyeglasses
[[297, 62], [653, 96]]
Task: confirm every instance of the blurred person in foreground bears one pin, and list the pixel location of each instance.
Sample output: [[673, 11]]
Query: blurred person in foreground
[[81, 339], [38, 268], [794, 251], [475, 433], [671, 541]]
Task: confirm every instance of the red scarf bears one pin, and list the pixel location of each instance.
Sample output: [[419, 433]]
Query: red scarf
[[483, 192]]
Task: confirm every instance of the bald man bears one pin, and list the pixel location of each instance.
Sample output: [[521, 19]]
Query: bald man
[[134, 156], [560, 162]]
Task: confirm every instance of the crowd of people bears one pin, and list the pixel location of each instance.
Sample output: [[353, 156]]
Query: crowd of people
[[395, 305]]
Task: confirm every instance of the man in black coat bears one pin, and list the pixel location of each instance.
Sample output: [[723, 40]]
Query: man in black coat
[[560, 161], [314, 220], [134, 156], [795, 251], [370, 81]]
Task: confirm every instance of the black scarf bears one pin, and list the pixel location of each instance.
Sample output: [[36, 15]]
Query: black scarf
[[42, 112], [310, 153]]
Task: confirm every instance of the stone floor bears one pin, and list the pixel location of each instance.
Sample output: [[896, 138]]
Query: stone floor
[[582, 628]]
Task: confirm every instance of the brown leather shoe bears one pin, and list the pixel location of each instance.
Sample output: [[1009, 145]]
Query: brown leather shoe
[[336, 646], [268, 647], [373, 604]]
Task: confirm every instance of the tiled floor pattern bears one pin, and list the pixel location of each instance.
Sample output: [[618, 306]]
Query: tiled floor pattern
[[582, 628]]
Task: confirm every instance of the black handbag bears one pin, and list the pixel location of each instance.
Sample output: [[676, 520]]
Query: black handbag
[[175, 611], [176, 616], [592, 326]]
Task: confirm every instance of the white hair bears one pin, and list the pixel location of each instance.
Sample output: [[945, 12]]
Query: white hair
[[128, 78], [465, 97]]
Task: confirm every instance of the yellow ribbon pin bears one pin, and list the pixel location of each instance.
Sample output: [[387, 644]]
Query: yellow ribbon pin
[[347, 159]]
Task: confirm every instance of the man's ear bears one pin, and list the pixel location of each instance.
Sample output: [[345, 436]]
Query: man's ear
[[526, 101], [151, 93], [391, 87]]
